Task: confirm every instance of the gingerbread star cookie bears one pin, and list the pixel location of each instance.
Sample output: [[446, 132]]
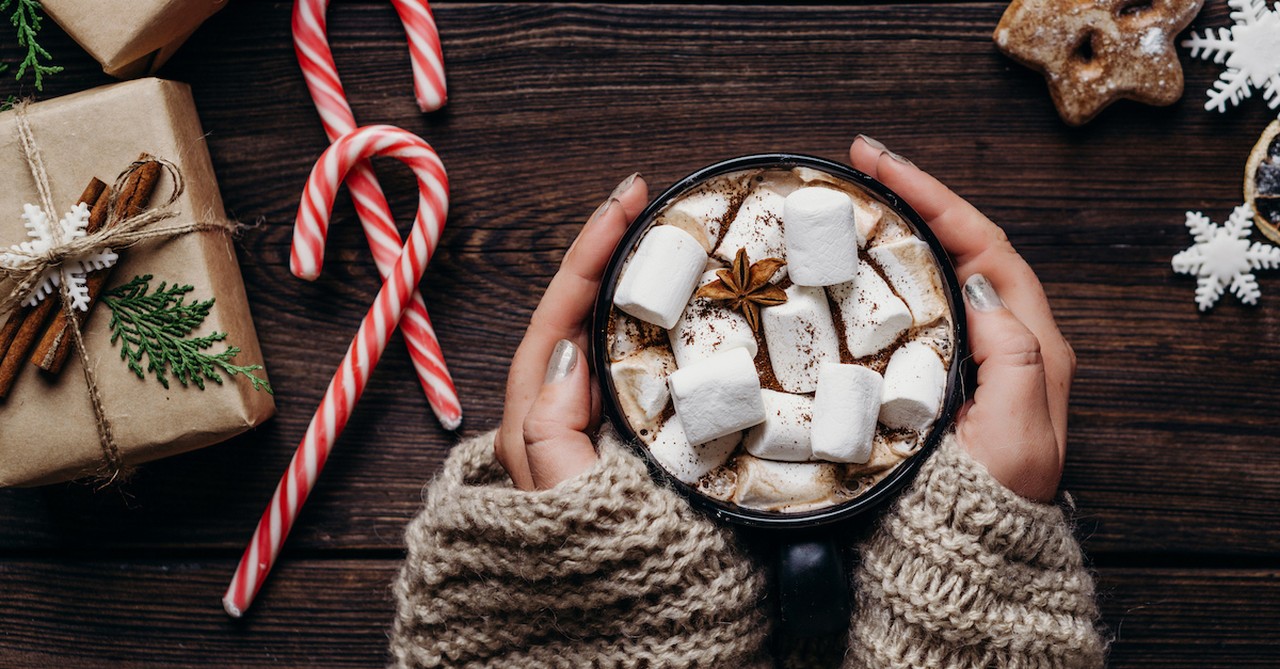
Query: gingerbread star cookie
[[1094, 52]]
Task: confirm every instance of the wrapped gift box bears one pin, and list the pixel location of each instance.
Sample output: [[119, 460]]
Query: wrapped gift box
[[48, 430], [131, 37]]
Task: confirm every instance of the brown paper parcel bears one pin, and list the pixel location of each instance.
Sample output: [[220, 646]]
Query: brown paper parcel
[[131, 37], [47, 426]]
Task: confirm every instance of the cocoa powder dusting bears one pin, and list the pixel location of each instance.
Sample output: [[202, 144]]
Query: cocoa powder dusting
[[735, 203], [764, 368], [837, 317]]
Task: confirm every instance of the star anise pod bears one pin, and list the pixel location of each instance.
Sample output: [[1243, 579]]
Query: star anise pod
[[745, 287]]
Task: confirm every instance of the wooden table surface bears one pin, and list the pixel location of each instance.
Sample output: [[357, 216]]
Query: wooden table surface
[[1174, 457]]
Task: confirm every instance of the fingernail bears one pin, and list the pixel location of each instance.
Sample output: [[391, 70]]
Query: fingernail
[[564, 357], [899, 158], [879, 146], [624, 186], [873, 143], [982, 295], [613, 196], [604, 206]]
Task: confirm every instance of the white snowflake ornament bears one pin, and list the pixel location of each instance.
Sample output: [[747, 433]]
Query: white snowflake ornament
[[1223, 258], [1250, 50], [72, 270]]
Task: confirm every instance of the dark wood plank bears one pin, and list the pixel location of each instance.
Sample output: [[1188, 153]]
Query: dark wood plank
[[336, 613], [1174, 447], [315, 613], [1187, 618]]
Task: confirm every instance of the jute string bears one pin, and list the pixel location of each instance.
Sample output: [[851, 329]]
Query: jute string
[[118, 232]]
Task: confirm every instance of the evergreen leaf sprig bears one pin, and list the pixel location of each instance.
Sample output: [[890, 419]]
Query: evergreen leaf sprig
[[27, 19], [158, 326]]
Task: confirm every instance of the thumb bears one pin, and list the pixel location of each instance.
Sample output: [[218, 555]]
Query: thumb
[[1008, 427], [554, 429]]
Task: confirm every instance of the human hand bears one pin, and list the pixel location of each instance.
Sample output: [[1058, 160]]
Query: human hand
[[551, 404], [1016, 423]]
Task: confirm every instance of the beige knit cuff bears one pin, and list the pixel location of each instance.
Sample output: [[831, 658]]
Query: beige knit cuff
[[605, 569], [1004, 522], [964, 572]]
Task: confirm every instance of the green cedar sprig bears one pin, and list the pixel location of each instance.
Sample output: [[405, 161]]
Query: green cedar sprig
[[158, 326], [27, 19]]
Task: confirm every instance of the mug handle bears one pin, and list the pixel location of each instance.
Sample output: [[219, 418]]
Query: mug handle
[[813, 589]]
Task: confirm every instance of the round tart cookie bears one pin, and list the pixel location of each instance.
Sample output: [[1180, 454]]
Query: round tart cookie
[[1262, 182]]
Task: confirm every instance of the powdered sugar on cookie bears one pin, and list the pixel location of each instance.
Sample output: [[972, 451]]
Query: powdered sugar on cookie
[[1093, 54]]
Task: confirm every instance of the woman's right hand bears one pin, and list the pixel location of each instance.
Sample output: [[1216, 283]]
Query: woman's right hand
[[1016, 423]]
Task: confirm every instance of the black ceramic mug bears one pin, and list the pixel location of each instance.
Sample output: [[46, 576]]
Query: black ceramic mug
[[811, 580]]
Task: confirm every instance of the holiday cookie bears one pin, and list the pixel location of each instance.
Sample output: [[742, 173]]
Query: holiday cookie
[[1093, 53], [1262, 182]]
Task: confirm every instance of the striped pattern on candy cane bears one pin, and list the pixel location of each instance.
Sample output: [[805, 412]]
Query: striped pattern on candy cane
[[321, 74], [310, 38], [367, 346], [425, 54]]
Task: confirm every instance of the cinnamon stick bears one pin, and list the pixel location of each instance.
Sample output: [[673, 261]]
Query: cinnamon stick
[[55, 344], [51, 352], [22, 329], [9, 331]]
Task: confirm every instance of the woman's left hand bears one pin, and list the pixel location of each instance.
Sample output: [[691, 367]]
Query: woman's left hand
[[551, 404]]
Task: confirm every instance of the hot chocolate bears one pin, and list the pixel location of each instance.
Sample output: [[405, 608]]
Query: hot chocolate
[[780, 340]]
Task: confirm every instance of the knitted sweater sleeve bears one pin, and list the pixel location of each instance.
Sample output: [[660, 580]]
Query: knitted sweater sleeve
[[607, 569], [963, 572]]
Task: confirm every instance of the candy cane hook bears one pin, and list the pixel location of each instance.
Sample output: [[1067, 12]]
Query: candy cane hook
[[321, 74], [367, 346]]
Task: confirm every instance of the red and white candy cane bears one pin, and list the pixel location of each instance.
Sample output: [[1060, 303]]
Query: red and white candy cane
[[375, 330], [314, 55]]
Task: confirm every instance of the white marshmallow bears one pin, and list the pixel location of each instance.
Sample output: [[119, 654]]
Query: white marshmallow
[[909, 266], [700, 213], [821, 236], [757, 227], [707, 327], [660, 276], [845, 409], [867, 217], [784, 434], [891, 229], [717, 396], [914, 383], [777, 486], [688, 463], [801, 336], [868, 212], [640, 382], [873, 317]]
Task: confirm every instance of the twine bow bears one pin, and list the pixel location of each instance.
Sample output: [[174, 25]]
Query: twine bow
[[118, 232]]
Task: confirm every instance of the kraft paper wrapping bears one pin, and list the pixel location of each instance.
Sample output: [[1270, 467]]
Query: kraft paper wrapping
[[47, 427], [131, 37]]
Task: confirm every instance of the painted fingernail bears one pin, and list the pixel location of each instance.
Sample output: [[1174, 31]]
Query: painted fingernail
[[624, 186], [873, 143], [604, 206], [899, 158], [879, 146], [564, 357], [982, 295]]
